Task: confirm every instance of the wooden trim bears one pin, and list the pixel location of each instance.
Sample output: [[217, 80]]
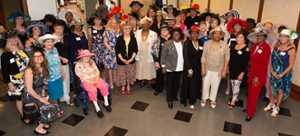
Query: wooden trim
[[167, 2], [119, 3], [260, 10], [192, 1], [2, 17], [295, 92], [178, 3], [208, 5], [230, 4], [296, 42], [21, 5]]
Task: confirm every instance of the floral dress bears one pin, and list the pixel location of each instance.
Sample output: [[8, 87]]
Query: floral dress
[[98, 46], [110, 61]]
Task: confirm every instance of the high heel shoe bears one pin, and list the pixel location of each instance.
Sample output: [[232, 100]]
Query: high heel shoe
[[248, 118], [38, 133]]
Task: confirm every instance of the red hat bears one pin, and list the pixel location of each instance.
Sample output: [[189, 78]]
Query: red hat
[[84, 53], [230, 25], [114, 10]]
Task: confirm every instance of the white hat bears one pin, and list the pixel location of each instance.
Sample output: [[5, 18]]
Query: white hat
[[48, 36], [292, 34], [62, 14], [234, 12]]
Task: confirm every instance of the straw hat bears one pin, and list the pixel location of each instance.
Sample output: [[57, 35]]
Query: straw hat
[[76, 22], [62, 14], [216, 29], [48, 36], [84, 53]]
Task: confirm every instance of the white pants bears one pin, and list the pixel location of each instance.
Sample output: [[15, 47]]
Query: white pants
[[210, 80], [235, 85], [66, 84]]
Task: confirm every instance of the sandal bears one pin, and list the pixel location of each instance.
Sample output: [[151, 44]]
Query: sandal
[[269, 107], [70, 103], [230, 106], [27, 123], [128, 91], [203, 102], [142, 84], [275, 111], [123, 91], [149, 87], [213, 104]]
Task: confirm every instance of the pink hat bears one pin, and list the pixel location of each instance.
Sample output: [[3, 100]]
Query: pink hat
[[84, 53]]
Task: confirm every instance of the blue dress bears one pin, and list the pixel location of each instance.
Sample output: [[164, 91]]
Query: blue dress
[[280, 61], [76, 43], [110, 61]]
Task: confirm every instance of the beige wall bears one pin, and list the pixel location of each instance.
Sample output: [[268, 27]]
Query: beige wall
[[185, 3], [219, 6], [173, 2], [202, 3], [125, 5], [10, 6], [249, 11]]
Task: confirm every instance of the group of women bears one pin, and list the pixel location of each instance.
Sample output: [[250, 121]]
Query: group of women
[[180, 44]]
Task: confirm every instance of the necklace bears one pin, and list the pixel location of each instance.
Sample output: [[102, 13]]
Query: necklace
[[144, 38], [195, 44]]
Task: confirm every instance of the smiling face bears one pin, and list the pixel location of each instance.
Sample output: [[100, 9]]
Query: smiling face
[[193, 12], [217, 35], [69, 16], [159, 18], [78, 28], [126, 29], [202, 27], [237, 27], [178, 19], [48, 44], [176, 36], [268, 27], [214, 23], [13, 40], [229, 17], [261, 38], [284, 39], [19, 20], [136, 7], [151, 13], [194, 35], [59, 30], [170, 10], [97, 21], [86, 59], [146, 25], [113, 23], [164, 31], [240, 39], [38, 58], [36, 30]]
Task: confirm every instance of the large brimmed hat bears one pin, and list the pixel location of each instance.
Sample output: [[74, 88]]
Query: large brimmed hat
[[263, 23], [193, 29], [10, 33], [165, 25], [292, 34], [84, 53], [48, 36], [177, 29], [234, 21], [216, 29], [76, 22], [36, 24], [195, 7], [234, 12], [277, 26], [134, 15], [62, 14], [271, 39], [136, 2], [113, 11], [170, 6], [90, 19], [159, 12], [183, 7], [177, 13], [206, 14], [16, 14]]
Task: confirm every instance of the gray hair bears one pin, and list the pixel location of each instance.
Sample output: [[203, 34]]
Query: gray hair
[[126, 25]]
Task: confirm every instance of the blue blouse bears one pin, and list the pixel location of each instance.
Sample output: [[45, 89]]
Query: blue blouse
[[54, 64], [204, 39]]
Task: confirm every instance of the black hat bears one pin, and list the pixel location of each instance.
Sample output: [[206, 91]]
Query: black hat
[[136, 2], [6, 35], [205, 14], [165, 25], [251, 20], [177, 29], [177, 13], [170, 6], [90, 20], [49, 18], [134, 15]]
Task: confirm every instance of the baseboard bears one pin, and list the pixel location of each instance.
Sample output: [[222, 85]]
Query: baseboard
[[295, 92]]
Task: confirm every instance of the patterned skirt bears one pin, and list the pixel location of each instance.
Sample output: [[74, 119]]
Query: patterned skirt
[[126, 74]]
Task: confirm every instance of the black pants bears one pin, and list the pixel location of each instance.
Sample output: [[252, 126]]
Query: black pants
[[173, 79], [159, 81]]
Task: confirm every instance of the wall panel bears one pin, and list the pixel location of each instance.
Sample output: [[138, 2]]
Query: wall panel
[[219, 6], [247, 8], [202, 3]]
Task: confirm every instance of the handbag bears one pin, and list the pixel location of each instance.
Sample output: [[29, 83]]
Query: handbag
[[30, 111]]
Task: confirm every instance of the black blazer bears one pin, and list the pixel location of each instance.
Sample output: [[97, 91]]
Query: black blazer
[[9, 66], [121, 49]]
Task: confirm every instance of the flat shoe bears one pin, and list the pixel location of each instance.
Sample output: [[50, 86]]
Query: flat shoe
[[99, 114], [248, 118], [203, 103], [213, 104], [108, 108], [29, 123], [170, 104]]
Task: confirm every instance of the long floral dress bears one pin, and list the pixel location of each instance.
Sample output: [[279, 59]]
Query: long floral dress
[[110, 61], [98, 46]]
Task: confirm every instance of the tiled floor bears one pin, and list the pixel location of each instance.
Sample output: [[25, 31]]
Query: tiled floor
[[143, 114]]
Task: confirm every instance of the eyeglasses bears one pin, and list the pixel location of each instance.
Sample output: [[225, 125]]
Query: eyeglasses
[[127, 28], [38, 56]]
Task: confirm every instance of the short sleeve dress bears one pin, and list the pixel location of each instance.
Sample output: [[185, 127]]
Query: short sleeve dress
[[110, 61]]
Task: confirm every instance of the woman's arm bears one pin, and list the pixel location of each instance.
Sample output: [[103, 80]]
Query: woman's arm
[[62, 72], [106, 42]]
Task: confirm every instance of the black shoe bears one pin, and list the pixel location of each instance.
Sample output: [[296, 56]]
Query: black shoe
[[110, 101], [170, 104], [176, 99], [29, 123], [156, 93], [100, 114], [265, 99], [248, 118], [47, 128], [245, 110], [38, 133], [108, 108]]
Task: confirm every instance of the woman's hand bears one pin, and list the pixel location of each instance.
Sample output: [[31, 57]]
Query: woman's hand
[[64, 60], [44, 100], [277, 76], [190, 75], [63, 75], [224, 73], [157, 65], [203, 72], [124, 61], [112, 51], [11, 87], [164, 71], [240, 77], [255, 81]]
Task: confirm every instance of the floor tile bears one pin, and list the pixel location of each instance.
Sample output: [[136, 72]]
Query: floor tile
[[1, 133], [284, 112], [183, 116], [141, 106], [282, 134], [4, 98], [239, 103], [116, 131], [232, 128], [73, 119]]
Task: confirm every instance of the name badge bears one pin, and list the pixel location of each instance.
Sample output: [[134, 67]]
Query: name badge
[[196, 23], [56, 55], [12, 60], [162, 44], [259, 51], [240, 52], [200, 47], [94, 31], [282, 53], [221, 47], [78, 38]]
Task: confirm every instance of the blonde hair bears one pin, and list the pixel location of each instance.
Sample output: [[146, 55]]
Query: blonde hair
[[8, 47], [111, 20]]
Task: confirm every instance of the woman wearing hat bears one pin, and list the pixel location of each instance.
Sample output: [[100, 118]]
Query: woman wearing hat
[[227, 17], [151, 11], [193, 18], [214, 61], [172, 64], [57, 73], [207, 16], [145, 66], [136, 7], [282, 62], [63, 49], [118, 13], [35, 30], [49, 21], [68, 15], [192, 79], [19, 19], [126, 50], [13, 63], [178, 23], [170, 10], [87, 70], [164, 35], [134, 22], [238, 65], [35, 77], [157, 21], [259, 61], [111, 36], [268, 24]]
